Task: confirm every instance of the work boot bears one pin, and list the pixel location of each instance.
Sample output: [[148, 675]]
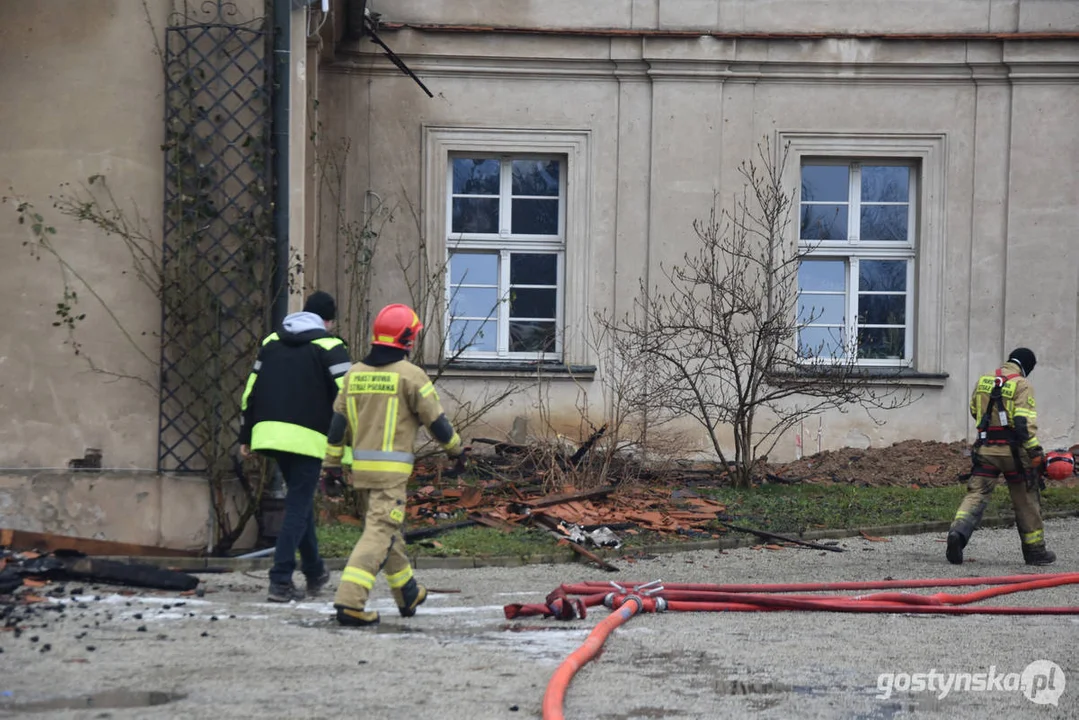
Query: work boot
[[284, 592], [409, 597], [1038, 555], [351, 617], [316, 584], [956, 543]]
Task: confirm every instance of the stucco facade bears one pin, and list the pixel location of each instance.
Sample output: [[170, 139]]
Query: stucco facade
[[644, 107], [81, 94], [654, 105]]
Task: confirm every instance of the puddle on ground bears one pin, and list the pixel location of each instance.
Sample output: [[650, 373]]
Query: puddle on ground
[[644, 712], [888, 710], [755, 687], [541, 628], [395, 629], [113, 699], [324, 623]]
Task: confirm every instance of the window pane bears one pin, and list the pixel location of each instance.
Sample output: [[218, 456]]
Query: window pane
[[884, 222], [475, 215], [824, 222], [885, 184], [473, 335], [533, 269], [823, 275], [881, 343], [532, 303], [474, 269], [535, 217], [824, 183], [819, 342], [535, 177], [532, 337], [473, 302], [822, 309], [882, 309], [882, 275], [475, 176]]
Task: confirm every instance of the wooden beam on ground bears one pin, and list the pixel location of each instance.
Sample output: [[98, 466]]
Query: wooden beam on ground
[[551, 525], [430, 532], [784, 538], [570, 497], [579, 549], [47, 542], [491, 522]]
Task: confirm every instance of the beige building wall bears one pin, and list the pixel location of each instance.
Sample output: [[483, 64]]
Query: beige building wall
[[669, 97], [81, 94], [657, 101]]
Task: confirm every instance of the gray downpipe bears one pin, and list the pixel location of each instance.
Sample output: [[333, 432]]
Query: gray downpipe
[[282, 79]]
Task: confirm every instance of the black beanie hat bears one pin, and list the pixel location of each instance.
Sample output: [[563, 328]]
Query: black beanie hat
[[322, 304], [1024, 357]]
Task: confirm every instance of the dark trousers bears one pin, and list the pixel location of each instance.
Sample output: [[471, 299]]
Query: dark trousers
[[298, 526]]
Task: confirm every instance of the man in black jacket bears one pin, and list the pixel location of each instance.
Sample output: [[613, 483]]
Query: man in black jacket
[[287, 406]]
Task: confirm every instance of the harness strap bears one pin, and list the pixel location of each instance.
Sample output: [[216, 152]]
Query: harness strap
[[1000, 432]]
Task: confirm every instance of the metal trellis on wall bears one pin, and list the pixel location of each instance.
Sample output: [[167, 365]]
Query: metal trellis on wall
[[218, 243]]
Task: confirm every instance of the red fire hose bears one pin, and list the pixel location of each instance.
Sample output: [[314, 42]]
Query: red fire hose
[[629, 599], [556, 689], [598, 585]]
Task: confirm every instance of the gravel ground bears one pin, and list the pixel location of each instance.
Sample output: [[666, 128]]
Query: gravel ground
[[230, 654]]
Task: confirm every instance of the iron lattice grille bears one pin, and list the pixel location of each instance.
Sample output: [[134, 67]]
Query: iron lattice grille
[[218, 243]]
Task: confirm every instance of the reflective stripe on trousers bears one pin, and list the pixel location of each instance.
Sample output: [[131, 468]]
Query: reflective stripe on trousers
[[360, 577]]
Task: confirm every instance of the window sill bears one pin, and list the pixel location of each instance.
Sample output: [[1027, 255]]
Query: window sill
[[876, 376], [488, 369]]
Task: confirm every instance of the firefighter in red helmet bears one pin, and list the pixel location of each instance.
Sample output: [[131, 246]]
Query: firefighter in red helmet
[[382, 404]]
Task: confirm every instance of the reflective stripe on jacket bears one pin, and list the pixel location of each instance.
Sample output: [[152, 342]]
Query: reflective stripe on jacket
[[385, 407], [287, 402], [1017, 395]]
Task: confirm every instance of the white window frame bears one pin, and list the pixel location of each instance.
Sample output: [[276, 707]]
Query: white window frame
[[927, 152], [854, 249], [572, 148]]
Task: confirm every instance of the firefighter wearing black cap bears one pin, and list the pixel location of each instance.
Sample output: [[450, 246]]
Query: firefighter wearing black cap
[[1007, 444], [382, 404]]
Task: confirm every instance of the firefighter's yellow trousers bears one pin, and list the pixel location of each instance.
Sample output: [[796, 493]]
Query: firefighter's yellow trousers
[[984, 479], [380, 548]]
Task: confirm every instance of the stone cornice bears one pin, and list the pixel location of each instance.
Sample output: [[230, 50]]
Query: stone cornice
[[684, 70], [691, 34]]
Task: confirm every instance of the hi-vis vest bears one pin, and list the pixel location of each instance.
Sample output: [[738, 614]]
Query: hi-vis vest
[[288, 400]]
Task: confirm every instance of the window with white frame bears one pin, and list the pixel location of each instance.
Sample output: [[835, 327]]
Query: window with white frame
[[856, 282], [505, 242]]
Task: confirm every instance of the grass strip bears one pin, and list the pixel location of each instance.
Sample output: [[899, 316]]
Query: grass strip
[[775, 508]]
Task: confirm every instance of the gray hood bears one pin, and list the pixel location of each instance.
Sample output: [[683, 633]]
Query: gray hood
[[301, 327]]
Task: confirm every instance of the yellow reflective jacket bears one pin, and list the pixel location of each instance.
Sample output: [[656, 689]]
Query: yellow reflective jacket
[[385, 407], [1018, 397]]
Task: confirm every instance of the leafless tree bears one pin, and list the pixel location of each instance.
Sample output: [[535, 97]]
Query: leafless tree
[[722, 334]]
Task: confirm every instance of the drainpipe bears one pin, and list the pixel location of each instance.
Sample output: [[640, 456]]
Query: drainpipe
[[282, 77]]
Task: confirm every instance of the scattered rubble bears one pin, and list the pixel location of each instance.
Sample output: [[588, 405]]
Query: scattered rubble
[[32, 569], [504, 506], [591, 500]]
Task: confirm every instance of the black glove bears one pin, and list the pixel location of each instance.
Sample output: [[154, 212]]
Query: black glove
[[332, 481], [1037, 468], [461, 461]]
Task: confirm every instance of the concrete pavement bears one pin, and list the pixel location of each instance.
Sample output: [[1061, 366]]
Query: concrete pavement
[[230, 654]]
